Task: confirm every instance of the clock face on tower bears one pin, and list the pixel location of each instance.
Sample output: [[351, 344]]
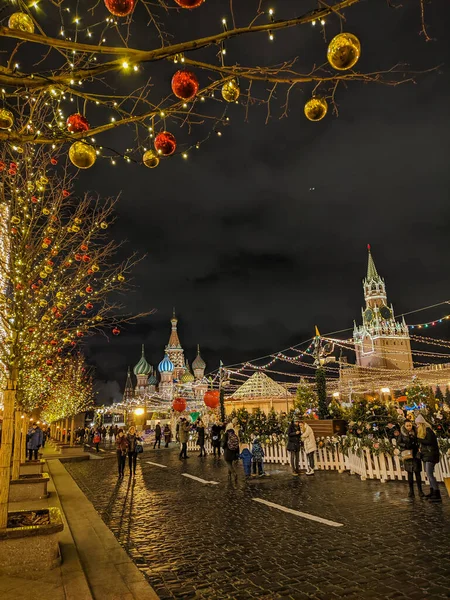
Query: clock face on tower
[[385, 312], [368, 314]]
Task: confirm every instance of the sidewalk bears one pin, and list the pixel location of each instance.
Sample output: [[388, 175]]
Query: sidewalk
[[94, 565]]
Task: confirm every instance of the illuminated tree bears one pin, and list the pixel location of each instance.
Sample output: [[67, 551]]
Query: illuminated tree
[[305, 398], [105, 65], [57, 278]]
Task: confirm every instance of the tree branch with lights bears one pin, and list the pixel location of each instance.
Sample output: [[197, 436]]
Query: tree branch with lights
[[73, 73]]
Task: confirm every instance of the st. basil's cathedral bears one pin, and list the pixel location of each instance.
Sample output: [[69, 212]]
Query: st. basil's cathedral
[[176, 378]]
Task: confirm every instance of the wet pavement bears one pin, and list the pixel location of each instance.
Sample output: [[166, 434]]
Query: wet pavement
[[194, 539]]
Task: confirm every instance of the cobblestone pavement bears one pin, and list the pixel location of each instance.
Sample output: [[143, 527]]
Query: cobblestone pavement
[[194, 540]]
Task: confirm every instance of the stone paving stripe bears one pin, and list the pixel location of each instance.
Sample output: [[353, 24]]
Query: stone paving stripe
[[101, 450], [298, 513], [156, 464], [199, 479]]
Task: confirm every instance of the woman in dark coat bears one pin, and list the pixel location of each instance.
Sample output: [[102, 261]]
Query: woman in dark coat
[[231, 452], [167, 435], [121, 451], [293, 445], [429, 450], [201, 437], [216, 431], [409, 445], [132, 440]]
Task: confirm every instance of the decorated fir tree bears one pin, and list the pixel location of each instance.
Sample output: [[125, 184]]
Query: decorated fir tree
[[306, 399], [321, 389]]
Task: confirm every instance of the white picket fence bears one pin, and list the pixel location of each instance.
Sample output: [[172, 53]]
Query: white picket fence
[[366, 464]]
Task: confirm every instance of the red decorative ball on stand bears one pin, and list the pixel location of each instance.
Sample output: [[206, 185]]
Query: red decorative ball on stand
[[185, 84], [77, 123], [179, 404], [212, 398], [165, 143], [120, 8], [189, 3]]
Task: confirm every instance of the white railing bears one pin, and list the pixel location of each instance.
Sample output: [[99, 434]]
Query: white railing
[[366, 464]]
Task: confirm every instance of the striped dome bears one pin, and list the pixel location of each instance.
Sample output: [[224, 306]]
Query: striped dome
[[166, 365], [142, 367], [152, 379]]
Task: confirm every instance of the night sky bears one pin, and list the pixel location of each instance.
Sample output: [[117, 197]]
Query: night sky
[[262, 233]]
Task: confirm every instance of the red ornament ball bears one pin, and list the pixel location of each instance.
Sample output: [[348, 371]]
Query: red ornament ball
[[185, 84], [76, 123], [212, 398], [116, 331], [165, 143], [120, 8], [189, 3], [179, 404]]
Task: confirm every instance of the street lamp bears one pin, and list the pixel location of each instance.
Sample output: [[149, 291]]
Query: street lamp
[[139, 412]]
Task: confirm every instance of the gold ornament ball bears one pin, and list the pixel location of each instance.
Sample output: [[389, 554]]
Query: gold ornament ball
[[316, 109], [150, 159], [230, 91], [6, 118], [103, 225], [344, 51], [22, 22], [82, 155]]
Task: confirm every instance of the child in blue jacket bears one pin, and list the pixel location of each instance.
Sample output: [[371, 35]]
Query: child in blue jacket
[[246, 457], [258, 457]]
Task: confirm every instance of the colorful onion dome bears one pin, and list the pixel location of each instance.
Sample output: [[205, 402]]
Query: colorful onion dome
[[152, 380], [142, 367], [187, 376], [198, 363], [166, 365]]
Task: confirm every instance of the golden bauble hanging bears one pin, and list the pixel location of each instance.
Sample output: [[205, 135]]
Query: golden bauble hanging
[[6, 118], [230, 91], [22, 22], [82, 155], [150, 159], [316, 109], [344, 51]]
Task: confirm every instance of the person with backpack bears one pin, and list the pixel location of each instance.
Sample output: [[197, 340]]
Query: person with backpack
[[97, 439], [231, 452], [216, 431], [258, 457]]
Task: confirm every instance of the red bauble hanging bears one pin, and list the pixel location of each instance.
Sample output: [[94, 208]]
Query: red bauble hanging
[[185, 84], [76, 123], [165, 143], [120, 8], [179, 404], [212, 398], [116, 331], [189, 3]]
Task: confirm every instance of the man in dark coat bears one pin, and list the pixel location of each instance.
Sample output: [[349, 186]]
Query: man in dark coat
[[293, 445], [34, 441], [157, 436], [216, 431]]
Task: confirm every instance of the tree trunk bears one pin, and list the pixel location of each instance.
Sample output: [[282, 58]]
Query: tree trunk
[[9, 397], [72, 428], [17, 445], [66, 428], [23, 449]]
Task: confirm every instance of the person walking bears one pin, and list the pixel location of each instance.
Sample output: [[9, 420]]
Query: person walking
[[97, 439], [216, 431], [132, 441], [34, 441], [167, 435], [293, 445], [246, 457], [157, 436], [201, 437], [408, 443], [111, 434], [231, 452], [309, 443], [183, 433], [429, 451], [258, 457], [121, 451]]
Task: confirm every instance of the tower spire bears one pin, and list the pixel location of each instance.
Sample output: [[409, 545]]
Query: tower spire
[[372, 273]]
